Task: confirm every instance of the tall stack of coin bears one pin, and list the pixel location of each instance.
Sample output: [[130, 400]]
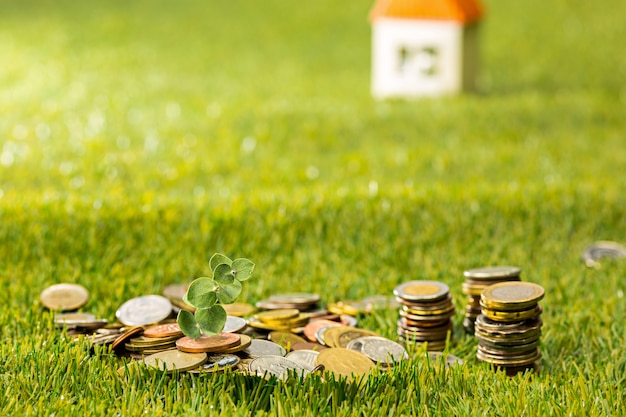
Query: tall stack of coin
[[476, 280], [426, 313], [509, 326]]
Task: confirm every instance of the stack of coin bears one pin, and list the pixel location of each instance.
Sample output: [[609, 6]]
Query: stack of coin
[[289, 319], [426, 313], [304, 302], [476, 280], [509, 327]]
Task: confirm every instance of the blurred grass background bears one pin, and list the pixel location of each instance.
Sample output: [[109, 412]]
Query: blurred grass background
[[138, 138]]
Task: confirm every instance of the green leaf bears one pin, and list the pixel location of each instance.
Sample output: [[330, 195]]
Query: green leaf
[[223, 275], [211, 320], [201, 292], [244, 268], [227, 294], [188, 324], [218, 259]]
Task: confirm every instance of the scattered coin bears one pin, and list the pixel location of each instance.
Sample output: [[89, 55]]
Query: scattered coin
[[313, 326], [79, 320], [601, 250], [244, 343], [163, 330], [379, 349], [218, 363], [306, 358], [278, 366], [295, 298], [144, 310], [307, 346], [64, 297], [345, 362], [234, 324], [171, 360], [285, 339], [214, 343], [259, 347], [126, 336]]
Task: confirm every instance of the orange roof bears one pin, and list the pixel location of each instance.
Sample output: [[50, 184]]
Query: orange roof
[[463, 11]]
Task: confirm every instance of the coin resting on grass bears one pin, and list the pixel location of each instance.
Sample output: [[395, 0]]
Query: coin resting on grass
[[64, 297]]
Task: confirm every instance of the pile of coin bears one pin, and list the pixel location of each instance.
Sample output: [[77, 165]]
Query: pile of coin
[[476, 280], [266, 343], [290, 319], [426, 313], [509, 326]]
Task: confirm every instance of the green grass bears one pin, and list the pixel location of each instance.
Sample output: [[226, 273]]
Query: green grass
[[138, 138]]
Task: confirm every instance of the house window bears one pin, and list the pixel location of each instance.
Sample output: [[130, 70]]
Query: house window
[[420, 61]]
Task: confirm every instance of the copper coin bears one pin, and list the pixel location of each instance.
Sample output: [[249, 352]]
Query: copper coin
[[307, 346], [126, 336], [163, 330], [205, 343], [313, 326]]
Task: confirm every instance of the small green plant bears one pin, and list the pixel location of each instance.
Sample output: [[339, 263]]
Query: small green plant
[[207, 294]]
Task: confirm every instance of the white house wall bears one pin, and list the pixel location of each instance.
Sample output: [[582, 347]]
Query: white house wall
[[416, 57]]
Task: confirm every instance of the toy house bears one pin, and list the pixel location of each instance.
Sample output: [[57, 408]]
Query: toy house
[[424, 47]]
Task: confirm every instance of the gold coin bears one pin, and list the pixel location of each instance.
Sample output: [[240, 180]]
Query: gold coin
[[510, 316], [419, 312], [277, 315], [511, 296], [152, 341], [238, 309], [285, 339], [344, 362], [422, 291], [171, 360], [64, 297], [350, 307]]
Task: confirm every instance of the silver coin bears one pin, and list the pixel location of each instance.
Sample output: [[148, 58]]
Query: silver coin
[[295, 298], [319, 334], [260, 347], [304, 357], [82, 320], [147, 309], [382, 350], [218, 363], [277, 366], [234, 324], [602, 249], [489, 273]]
